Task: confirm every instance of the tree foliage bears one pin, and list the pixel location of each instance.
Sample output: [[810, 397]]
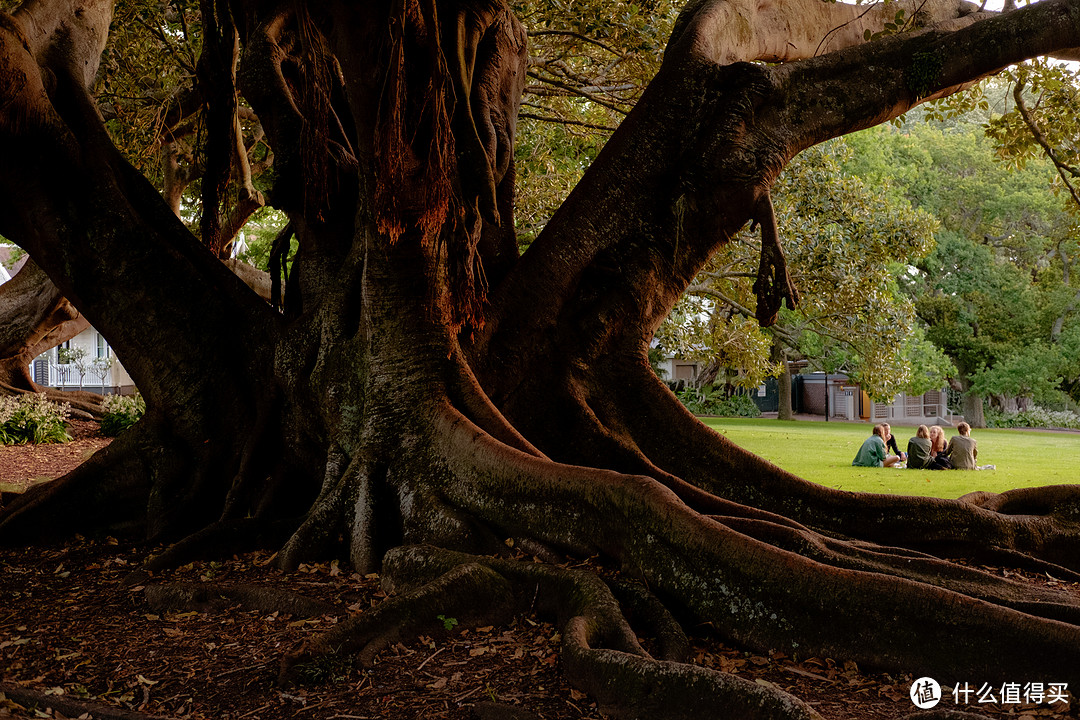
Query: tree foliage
[[996, 291], [847, 242], [430, 404]]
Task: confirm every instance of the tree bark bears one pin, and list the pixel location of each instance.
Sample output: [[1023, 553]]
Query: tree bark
[[404, 397], [973, 405], [783, 381]]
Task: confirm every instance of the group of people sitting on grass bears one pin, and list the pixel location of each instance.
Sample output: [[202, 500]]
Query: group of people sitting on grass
[[926, 451]]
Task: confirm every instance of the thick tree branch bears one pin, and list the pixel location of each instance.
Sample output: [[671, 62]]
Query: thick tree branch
[[728, 31], [1065, 171], [906, 70]]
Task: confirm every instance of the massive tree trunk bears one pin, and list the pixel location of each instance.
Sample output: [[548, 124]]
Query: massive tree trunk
[[423, 384], [973, 411]]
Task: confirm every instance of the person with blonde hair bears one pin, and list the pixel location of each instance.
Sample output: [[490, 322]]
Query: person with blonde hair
[[939, 460], [961, 450], [918, 449]]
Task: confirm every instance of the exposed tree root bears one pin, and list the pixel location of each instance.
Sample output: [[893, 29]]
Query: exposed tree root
[[759, 594], [470, 594], [1031, 526], [600, 650], [214, 597], [646, 613], [107, 493], [71, 707], [84, 405]]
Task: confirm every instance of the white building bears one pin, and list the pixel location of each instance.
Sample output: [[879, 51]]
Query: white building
[[85, 361]]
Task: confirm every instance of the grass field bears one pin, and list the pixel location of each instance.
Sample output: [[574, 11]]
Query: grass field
[[822, 452]]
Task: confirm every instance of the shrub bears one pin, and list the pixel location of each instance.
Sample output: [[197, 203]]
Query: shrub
[[714, 401], [32, 419], [1035, 417], [121, 412]]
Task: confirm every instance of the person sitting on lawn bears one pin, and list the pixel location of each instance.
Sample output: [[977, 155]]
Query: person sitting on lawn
[[918, 449], [890, 443], [962, 451], [939, 460], [872, 453]]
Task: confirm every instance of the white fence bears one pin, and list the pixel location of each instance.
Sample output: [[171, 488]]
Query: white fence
[[67, 375], [929, 406]]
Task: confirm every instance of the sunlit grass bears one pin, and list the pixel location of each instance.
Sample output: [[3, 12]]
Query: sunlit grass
[[822, 452]]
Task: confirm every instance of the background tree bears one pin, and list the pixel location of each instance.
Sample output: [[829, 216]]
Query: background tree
[[846, 243], [993, 292], [428, 390]]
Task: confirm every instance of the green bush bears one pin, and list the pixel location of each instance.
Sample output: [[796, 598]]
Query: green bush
[[121, 412], [713, 400], [32, 419]]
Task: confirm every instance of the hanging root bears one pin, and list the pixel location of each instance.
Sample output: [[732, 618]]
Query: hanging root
[[773, 284], [601, 653]]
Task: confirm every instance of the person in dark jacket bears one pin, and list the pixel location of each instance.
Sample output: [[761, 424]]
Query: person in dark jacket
[[890, 444], [918, 449]]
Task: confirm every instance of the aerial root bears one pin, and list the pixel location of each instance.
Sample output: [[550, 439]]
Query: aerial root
[[773, 284], [215, 597], [601, 652]]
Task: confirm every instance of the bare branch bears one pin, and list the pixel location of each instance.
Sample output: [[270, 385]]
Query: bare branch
[[572, 90], [578, 36]]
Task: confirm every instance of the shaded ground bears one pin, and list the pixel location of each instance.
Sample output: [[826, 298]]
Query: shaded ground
[[20, 465], [72, 630], [68, 626]]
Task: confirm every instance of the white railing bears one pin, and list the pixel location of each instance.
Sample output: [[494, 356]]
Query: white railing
[[911, 408], [67, 375]]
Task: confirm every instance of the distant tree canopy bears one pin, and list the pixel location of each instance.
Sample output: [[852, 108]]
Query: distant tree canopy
[[997, 291]]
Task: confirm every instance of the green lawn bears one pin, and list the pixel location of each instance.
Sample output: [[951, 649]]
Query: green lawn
[[822, 452]]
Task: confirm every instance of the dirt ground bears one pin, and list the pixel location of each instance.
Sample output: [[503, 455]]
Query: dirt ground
[[76, 641], [22, 465]]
